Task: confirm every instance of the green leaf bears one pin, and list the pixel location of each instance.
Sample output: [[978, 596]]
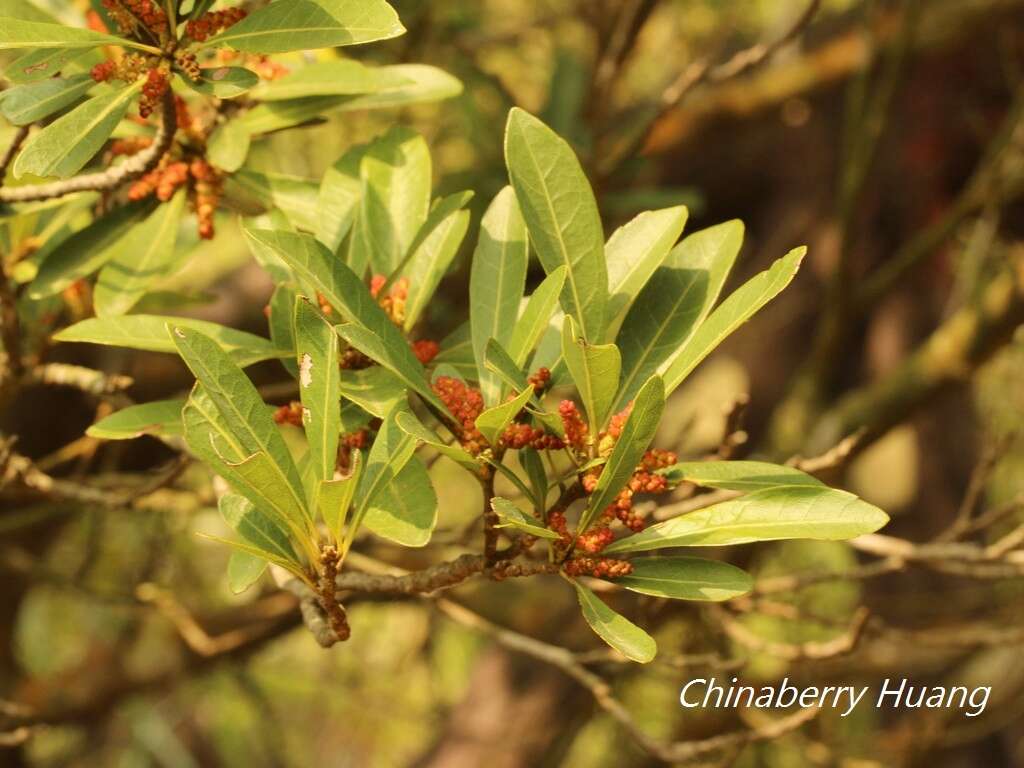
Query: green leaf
[[25, 10], [228, 426], [782, 512], [405, 510], [256, 527], [17, 33], [496, 283], [396, 175], [228, 145], [294, 196], [737, 475], [223, 82], [595, 370], [281, 324], [335, 497], [338, 199], [673, 304], [531, 462], [499, 362], [26, 104], [375, 389], [84, 253], [241, 546], [741, 305], [424, 84], [244, 570], [513, 517], [561, 216], [296, 25], [316, 348], [536, 316], [143, 256], [686, 578], [432, 252], [391, 451], [64, 146], [618, 631], [149, 333], [342, 77], [413, 427], [637, 433], [493, 421], [41, 64], [370, 330], [159, 418], [633, 252]]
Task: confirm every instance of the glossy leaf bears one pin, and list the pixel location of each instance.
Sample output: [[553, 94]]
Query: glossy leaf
[[500, 363], [338, 198], [561, 216], [637, 433], [413, 427], [618, 631], [686, 578], [295, 25], [513, 517], [143, 256], [28, 103], [741, 305], [149, 333], [536, 316], [405, 510], [396, 175], [496, 282], [316, 348], [375, 389], [341, 77], [633, 252], [492, 422], [160, 418], [19, 33], [223, 82], [674, 303], [64, 146], [391, 451], [595, 370], [782, 512], [737, 475]]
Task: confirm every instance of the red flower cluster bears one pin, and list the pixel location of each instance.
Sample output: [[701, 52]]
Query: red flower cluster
[[156, 85], [189, 64], [595, 540], [129, 146], [558, 524], [465, 404], [394, 303], [126, 14], [599, 567], [170, 174], [289, 414], [209, 24], [575, 428], [518, 436], [126, 69], [540, 380], [206, 195], [425, 350]]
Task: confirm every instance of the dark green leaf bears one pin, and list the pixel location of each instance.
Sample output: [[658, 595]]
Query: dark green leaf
[[595, 370], [536, 316], [620, 633], [161, 418], [686, 578], [513, 517], [316, 347], [26, 104], [223, 82], [737, 475]]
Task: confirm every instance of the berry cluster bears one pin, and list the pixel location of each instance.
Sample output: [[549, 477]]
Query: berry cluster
[[576, 430], [394, 303], [540, 380], [189, 64], [351, 441], [425, 350], [170, 174], [129, 146], [595, 540], [161, 181], [209, 24], [644, 480], [206, 194], [518, 436], [126, 69], [598, 567], [289, 414], [465, 404]]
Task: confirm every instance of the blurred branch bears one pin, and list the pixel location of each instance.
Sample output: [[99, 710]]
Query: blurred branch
[[111, 178], [12, 150], [75, 376], [840, 645]]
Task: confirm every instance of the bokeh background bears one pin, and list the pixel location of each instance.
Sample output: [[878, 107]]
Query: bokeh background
[[887, 137]]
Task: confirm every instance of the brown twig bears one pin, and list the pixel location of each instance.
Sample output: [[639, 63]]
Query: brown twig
[[12, 149]]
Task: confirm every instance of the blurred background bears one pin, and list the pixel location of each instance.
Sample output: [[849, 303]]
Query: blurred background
[[887, 136]]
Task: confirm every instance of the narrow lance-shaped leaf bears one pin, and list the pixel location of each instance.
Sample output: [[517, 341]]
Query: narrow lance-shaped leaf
[[18, 33], [223, 82], [737, 475], [341, 77], [618, 631], [782, 512], [431, 253], [256, 527], [375, 389], [633, 252], [512, 516], [334, 498], [637, 433], [64, 146], [500, 363], [241, 417], [595, 370], [741, 305], [536, 316], [149, 333], [296, 25], [561, 216], [316, 347], [28, 103], [413, 427], [370, 330], [686, 578], [497, 279], [674, 303], [145, 254], [338, 199]]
